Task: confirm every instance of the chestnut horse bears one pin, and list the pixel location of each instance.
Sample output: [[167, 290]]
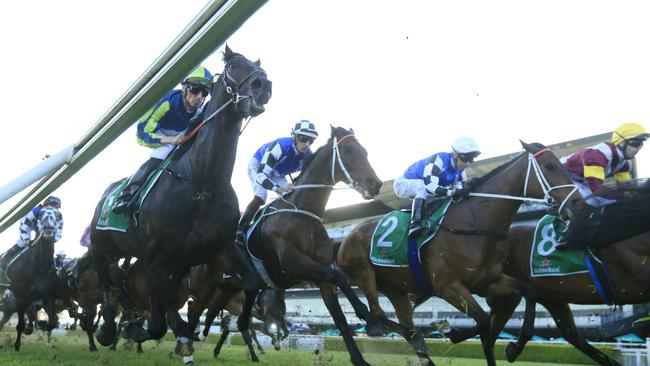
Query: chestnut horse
[[466, 256], [291, 239], [189, 216], [625, 225]]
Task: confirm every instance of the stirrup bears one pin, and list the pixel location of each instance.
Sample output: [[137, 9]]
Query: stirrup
[[122, 206], [415, 230]]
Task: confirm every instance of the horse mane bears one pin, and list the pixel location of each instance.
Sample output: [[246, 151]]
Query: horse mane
[[476, 182], [627, 217], [336, 132]]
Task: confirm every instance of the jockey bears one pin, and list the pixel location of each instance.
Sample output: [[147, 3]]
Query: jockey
[[61, 259], [29, 223], [271, 163], [163, 126], [589, 167], [439, 175]]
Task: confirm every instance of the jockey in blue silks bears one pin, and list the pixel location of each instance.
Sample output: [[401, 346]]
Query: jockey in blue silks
[[163, 127], [29, 223], [270, 165], [439, 175]]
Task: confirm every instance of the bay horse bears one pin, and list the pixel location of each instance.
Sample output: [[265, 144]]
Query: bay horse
[[292, 241], [190, 215], [626, 225], [32, 274], [467, 254]]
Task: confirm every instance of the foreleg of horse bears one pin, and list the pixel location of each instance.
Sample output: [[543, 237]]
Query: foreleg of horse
[[52, 316], [30, 312], [184, 346], [244, 320], [108, 331], [21, 324], [501, 310], [218, 302], [563, 317], [459, 297], [406, 328], [193, 317], [224, 336], [88, 324], [365, 278], [207, 323], [332, 302], [254, 337], [507, 286]]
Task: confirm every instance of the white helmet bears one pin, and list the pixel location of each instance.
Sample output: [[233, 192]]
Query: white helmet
[[306, 128], [60, 253], [465, 145]]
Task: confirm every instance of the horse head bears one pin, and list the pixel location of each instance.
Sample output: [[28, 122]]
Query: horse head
[[350, 163], [48, 220], [272, 311], [552, 182], [244, 83]]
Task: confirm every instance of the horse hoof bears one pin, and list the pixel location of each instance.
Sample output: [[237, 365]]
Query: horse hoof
[[512, 352], [188, 360], [106, 334], [184, 347], [375, 330], [93, 349], [454, 337], [17, 346]]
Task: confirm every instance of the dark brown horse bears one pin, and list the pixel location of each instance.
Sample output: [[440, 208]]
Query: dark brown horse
[[467, 254], [32, 275], [190, 215], [292, 241], [218, 296], [625, 259]]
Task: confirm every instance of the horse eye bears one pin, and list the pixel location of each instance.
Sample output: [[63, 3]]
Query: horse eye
[[256, 84], [550, 166]]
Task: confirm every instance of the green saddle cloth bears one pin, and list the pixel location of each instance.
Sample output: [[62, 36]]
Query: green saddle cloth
[[389, 243], [545, 260], [109, 220]]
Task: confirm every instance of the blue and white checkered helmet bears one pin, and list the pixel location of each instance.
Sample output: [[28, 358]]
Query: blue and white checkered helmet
[[304, 127]]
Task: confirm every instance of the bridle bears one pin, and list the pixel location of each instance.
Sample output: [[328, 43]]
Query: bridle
[[533, 165], [336, 160], [231, 86]]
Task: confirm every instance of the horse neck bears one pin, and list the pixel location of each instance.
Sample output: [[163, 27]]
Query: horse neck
[[214, 151], [315, 199], [499, 212], [43, 254]]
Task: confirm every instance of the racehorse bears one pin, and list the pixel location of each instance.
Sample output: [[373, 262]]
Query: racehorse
[[624, 256], [198, 225], [292, 241], [32, 274], [218, 294], [467, 254]]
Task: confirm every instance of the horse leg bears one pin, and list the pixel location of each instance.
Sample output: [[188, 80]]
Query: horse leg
[[332, 303], [507, 286], [21, 324], [563, 317], [244, 320], [184, 346], [31, 318], [407, 329], [193, 317], [52, 317], [6, 315], [254, 337], [501, 310], [224, 335], [159, 283], [364, 276], [108, 331], [457, 295], [88, 324]]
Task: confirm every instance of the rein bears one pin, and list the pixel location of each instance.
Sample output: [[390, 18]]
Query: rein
[[336, 157], [543, 182], [236, 98]]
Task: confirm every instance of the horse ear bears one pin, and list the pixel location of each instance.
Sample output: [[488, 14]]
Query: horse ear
[[227, 53], [258, 63], [526, 146], [333, 129], [351, 131]]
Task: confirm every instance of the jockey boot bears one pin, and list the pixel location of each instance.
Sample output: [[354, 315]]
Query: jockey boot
[[415, 227], [246, 218], [137, 180], [15, 249]]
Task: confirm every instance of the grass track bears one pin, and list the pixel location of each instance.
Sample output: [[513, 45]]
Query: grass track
[[73, 350]]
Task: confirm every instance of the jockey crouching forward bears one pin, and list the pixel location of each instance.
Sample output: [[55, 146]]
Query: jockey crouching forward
[[439, 175], [589, 167], [28, 224], [270, 165], [163, 126]]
